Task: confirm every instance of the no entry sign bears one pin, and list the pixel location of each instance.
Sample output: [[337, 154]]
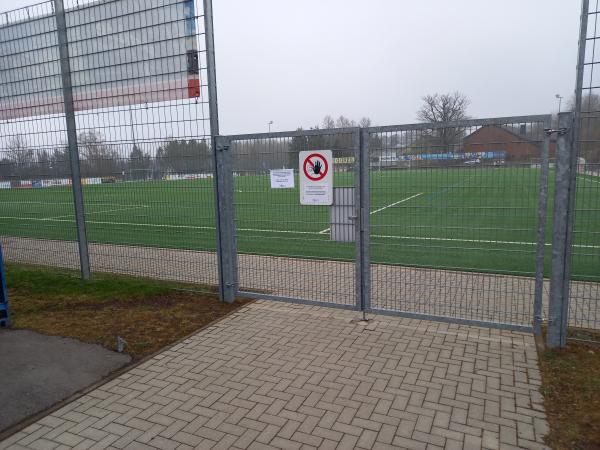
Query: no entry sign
[[316, 177], [315, 167]]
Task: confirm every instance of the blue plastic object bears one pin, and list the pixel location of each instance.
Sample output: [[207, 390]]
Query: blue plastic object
[[4, 308]]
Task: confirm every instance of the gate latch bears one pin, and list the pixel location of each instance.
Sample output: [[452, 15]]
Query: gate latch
[[559, 131]]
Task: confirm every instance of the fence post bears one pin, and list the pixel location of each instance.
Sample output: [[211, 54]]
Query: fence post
[[67, 88], [558, 314], [541, 243], [223, 176], [211, 72], [226, 239], [4, 306], [363, 266]]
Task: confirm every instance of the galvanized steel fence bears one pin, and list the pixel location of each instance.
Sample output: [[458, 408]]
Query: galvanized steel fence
[[110, 161], [576, 262], [106, 118], [459, 230], [449, 220], [277, 247]]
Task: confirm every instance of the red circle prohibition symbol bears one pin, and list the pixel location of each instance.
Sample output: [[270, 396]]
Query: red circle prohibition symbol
[[311, 175]]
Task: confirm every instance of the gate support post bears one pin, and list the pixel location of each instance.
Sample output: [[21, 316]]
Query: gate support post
[[541, 243], [226, 239], [558, 315], [363, 264]]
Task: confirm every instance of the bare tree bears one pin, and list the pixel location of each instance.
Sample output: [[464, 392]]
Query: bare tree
[[98, 157], [444, 108], [328, 123], [344, 122], [365, 122], [19, 151], [21, 157]]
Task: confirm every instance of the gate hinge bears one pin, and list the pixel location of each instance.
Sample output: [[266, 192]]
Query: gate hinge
[[223, 148], [559, 131]]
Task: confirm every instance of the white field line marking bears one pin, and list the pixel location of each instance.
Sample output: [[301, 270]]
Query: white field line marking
[[382, 209], [475, 241], [314, 233], [593, 181], [102, 212], [51, 219], [64, 203], [397, 203], [154, 225]]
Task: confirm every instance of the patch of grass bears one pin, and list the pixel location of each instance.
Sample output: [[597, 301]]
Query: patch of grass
[[571, 387], [148, 314]]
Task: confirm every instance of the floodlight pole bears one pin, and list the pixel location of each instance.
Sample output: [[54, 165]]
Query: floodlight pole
[[67, 88]]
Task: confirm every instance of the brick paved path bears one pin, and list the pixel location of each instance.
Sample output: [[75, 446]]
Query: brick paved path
[[274, 375], [475, 296]]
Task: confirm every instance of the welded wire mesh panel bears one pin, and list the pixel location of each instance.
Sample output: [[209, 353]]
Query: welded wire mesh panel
[[139, 78], [37, 223], [285, 249], [584, 305], [454, 219]]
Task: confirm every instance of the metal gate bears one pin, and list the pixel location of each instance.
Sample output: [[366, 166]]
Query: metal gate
[[277, 248], [457, 220], [443, 221]]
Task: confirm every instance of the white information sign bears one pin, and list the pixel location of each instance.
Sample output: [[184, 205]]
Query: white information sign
[[316, 177], [282, 179]]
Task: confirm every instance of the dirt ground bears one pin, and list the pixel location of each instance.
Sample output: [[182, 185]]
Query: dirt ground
[[571, 387], [147, 314], [64, 331]]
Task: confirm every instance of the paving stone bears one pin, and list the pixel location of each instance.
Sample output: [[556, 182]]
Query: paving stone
[[274, 375]]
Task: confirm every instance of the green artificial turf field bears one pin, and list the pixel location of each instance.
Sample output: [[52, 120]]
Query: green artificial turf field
[[480, 219]]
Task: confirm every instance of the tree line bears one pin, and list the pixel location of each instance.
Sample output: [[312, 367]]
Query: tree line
[[99, 158]]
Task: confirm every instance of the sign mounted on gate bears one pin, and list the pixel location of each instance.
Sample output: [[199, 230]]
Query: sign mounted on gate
[[316, 177], [282, 179]]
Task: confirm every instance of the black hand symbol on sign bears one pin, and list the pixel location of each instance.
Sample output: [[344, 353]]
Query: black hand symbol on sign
[[317, 168]]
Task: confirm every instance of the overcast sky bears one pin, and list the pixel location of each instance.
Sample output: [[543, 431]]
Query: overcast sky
[[294, 61]]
